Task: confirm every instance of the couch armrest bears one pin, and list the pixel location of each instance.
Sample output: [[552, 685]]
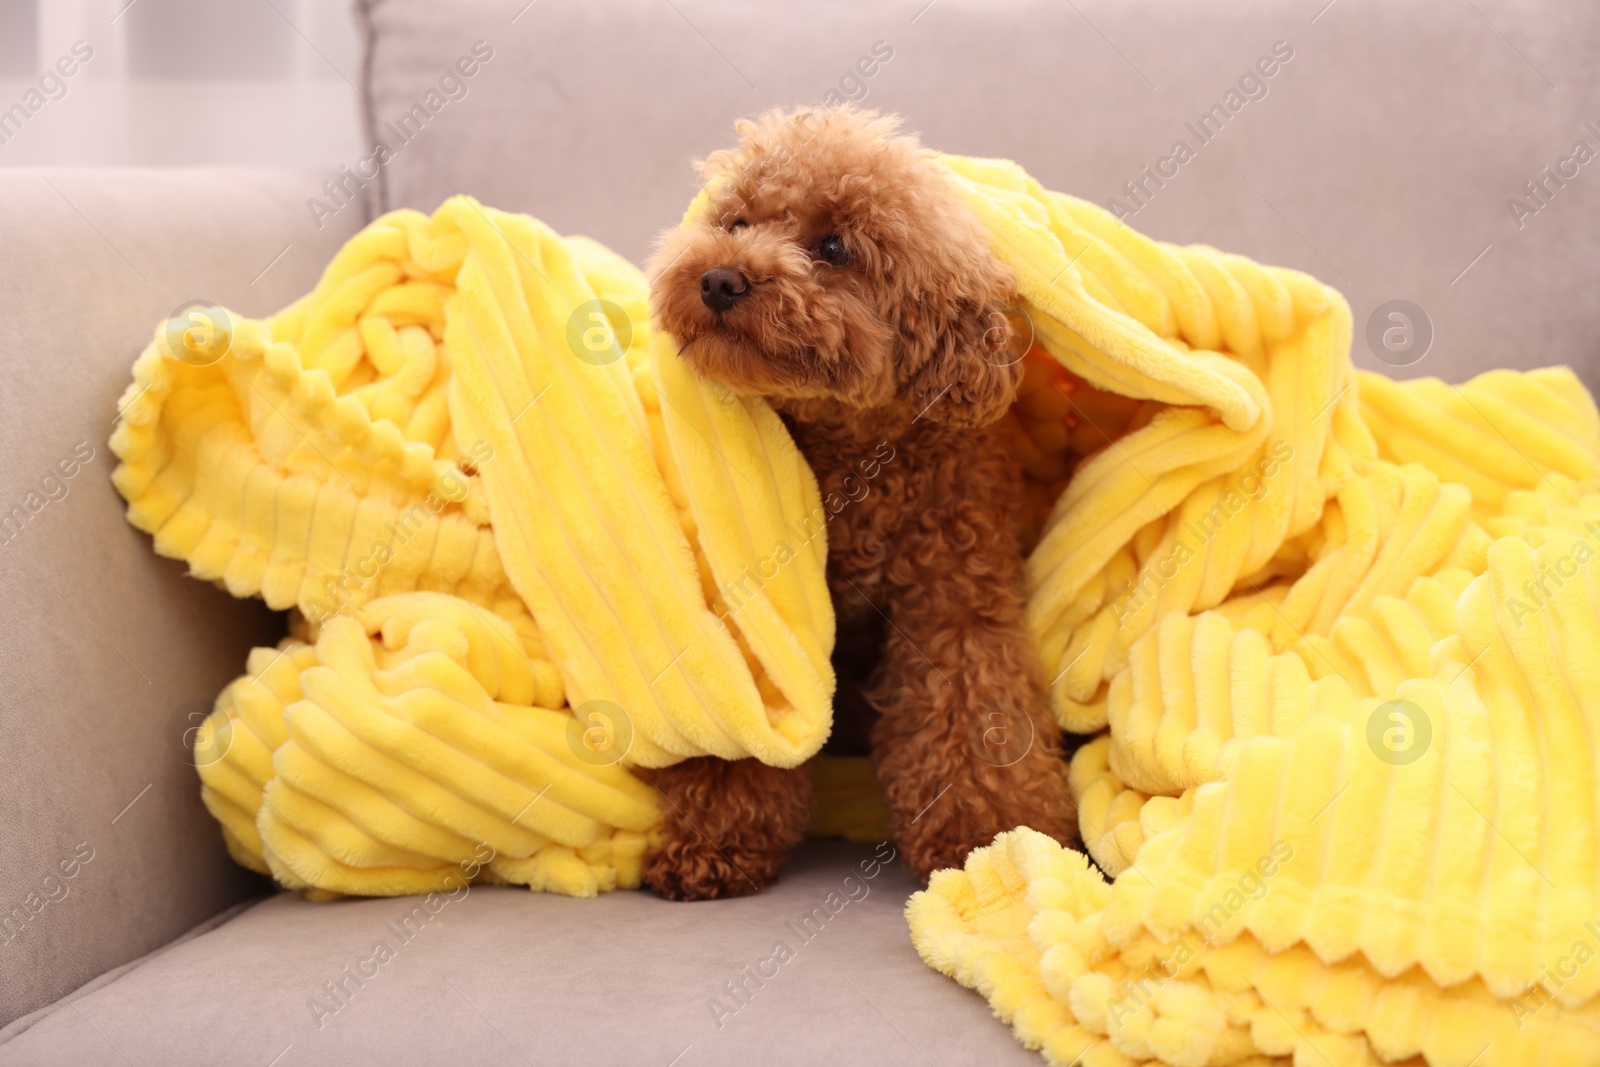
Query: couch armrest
[[105, 849]]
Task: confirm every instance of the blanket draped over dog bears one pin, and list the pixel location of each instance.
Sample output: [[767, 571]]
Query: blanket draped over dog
[[1337, 636], [488, 495], [1340, 639]]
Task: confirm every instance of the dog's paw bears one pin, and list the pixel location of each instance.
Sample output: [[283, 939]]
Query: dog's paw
[[695, 869], [727, 826]]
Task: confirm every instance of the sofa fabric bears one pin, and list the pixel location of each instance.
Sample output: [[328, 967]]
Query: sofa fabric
[[504, 976], [105, 850], [1374, 144], [1425, 153]]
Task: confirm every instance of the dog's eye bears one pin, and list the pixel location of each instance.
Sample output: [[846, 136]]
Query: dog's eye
[[736, 225], [832, 250]]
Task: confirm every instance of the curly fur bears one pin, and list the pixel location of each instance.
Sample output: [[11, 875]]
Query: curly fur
[[904, 351]]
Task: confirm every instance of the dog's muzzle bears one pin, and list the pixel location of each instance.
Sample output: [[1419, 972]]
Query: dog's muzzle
[[722, 287]]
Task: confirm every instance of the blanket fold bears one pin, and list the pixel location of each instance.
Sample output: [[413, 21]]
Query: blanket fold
[[497, 504], [1337, 637], [1337, 647]]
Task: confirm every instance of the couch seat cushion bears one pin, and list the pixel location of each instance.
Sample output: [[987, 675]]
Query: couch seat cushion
[[504, 976]]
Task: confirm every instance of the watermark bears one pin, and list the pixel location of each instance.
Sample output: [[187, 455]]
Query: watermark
[[188, 742], [1399, 333], [1000, 336], [1001, 746], [197, 333], [1399, 732], [53, 889], [851, 88], [452, 86], [738, 992], [1136, 993], [599, 733], [340, 589], [1252, 85], [341, 990], [1550, 577], [737, 592], [852, 84], [1540, 191], [53, 489], [599, 332], [51, 86], [1245, 489], [1556, 976]]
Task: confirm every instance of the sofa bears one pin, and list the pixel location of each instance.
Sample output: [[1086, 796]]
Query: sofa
[[1424, 158]]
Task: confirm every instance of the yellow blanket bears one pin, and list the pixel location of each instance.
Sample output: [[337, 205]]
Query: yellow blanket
[[1341, 643], [521, 538], [1337, 635]]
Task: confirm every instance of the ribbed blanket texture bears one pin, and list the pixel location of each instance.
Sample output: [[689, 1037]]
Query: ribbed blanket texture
[[1337, 637], [1339, 640]]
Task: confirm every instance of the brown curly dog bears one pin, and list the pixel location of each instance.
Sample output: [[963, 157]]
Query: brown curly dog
[[838, 275]]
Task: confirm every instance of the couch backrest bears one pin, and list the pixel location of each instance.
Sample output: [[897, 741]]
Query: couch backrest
[[105, 850], [1378, 145]]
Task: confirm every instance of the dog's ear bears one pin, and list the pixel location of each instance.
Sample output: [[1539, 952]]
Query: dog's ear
[[966, 364]]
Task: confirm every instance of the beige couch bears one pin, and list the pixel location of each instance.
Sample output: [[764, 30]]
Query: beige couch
[[1385, 152]]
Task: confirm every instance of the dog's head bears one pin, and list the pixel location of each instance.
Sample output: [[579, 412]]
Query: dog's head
[[834, 261]]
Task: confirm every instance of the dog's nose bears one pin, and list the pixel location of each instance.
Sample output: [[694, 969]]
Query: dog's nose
[[721, 288]]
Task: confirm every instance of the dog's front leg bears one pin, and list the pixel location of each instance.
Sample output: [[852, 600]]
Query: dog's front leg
[[727, 826], [966, 746]]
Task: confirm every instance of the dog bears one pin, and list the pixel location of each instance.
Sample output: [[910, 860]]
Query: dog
[[838, 275]]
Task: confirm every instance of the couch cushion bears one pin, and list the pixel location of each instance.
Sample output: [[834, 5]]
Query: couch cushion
[[506, 976], [105, 850], [1380, 157]]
